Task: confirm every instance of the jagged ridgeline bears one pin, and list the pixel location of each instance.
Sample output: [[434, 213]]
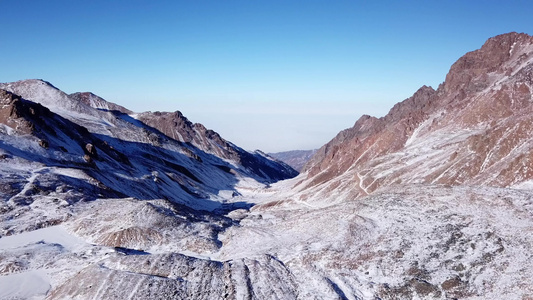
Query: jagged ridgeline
[[432, 201]]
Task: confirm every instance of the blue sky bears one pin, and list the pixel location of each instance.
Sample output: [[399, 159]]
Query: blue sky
[[270, 75]]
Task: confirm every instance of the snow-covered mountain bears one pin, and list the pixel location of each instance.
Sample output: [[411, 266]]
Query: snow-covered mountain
[[432, 201], [473, 130], [80, 107], [97, 152]]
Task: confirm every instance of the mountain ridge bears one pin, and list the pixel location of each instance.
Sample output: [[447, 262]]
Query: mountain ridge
[[88, 104], [177, 126], [486, 95]]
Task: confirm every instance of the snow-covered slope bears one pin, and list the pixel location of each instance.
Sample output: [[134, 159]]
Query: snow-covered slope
[[60, 154], [97, 102], [474, 129], [429, 202], [419, 242]]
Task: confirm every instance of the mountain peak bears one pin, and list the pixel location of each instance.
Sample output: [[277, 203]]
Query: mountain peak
[[38, 82], [32, 83], [469, 74], [506, 40], [98, 102]]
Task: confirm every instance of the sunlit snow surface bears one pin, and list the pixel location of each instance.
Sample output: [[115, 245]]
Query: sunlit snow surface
[[417, 242], [34, 260]]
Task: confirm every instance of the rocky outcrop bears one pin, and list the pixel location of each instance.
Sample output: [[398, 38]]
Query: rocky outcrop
[[178, 127], [20, 115], [472, 72]]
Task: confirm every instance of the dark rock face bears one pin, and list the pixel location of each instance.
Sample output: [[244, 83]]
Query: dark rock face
[[91, 150], [43, 143], [22, 116]]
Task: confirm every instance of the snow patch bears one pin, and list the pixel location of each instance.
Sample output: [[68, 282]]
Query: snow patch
[[50, 235], [31, 285]]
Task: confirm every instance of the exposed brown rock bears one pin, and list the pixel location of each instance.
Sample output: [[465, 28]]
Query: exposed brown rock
[[175, 125], [469, 74], [87, 158], [486, 97], [11, 113]]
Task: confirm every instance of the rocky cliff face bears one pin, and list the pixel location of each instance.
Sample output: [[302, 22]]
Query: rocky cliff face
[[13, 112], [471, 130]]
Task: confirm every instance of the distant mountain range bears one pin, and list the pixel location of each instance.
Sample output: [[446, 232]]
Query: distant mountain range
[[432, 201], [296, 158]]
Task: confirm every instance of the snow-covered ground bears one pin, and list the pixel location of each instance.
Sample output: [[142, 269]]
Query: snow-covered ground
[[413, 242], [30, 261]]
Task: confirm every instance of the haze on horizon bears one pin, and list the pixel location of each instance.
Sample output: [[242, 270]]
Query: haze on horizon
[[269, 75]]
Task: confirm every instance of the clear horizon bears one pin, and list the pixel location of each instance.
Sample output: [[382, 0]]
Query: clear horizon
[[275, 76]]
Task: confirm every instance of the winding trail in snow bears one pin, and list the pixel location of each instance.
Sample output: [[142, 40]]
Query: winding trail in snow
[[361, 183]]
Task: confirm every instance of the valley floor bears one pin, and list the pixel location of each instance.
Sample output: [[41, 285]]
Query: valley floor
[[410, 242]]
